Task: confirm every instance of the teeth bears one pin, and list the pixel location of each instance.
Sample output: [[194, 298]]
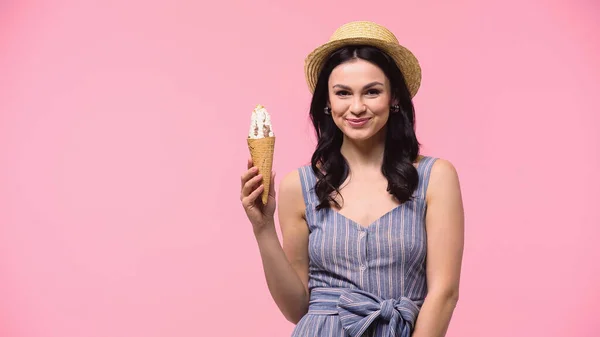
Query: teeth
[[260, 123]]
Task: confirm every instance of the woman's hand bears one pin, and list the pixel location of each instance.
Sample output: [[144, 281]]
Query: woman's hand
[[261, 216]]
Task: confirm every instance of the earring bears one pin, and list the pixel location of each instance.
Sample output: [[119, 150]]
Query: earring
[[395, 108], [327, 110]]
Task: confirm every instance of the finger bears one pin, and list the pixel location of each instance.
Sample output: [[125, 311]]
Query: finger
[[272, 189], [251, 198], [248, 175], [249, 162], [251, 185]]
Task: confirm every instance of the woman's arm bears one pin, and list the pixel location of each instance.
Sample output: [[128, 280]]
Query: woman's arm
[[445, 238], [286, 268]]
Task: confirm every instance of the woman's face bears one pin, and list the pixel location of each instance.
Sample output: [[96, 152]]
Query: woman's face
[[359, 98]]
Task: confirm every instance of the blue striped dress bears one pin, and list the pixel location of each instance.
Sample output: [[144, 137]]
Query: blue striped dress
[[365, 281]]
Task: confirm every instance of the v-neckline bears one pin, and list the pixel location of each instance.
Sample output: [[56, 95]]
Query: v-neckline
[[388, 213], [367, 227]]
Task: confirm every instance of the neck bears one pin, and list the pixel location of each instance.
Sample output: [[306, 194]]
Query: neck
[[364, 154]]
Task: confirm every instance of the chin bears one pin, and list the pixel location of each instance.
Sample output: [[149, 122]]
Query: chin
[[359, 135]]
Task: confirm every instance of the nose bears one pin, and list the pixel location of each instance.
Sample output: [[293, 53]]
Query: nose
[[358, 106]]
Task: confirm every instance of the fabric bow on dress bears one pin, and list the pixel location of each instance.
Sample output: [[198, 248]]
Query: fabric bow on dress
[[359, 309]]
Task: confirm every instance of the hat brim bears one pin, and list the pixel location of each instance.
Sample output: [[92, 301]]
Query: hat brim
[[404, 58]]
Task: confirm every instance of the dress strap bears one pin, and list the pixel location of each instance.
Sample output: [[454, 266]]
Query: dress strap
[[424, 170], [308, 181]]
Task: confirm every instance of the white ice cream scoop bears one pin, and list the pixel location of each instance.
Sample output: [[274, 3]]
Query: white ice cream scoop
[[260, 123]]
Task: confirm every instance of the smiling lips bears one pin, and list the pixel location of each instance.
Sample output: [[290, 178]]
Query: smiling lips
[[357, 122]]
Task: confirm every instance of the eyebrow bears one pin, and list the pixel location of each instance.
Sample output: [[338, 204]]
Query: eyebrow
[[370, 85]]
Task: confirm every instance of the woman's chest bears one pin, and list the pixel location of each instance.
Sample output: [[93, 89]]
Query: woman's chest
[[365, 202]]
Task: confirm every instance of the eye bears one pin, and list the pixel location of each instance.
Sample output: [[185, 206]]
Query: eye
[[373, 92], [342, 93]]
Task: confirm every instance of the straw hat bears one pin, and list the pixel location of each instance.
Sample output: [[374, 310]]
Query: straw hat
[[365, 33]]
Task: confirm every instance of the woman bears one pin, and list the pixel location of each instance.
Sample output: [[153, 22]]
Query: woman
[[372, 231]]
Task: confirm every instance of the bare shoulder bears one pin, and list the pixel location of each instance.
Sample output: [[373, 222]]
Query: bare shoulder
[[291, 182], [443, 180], [444, 169], [291, 198]]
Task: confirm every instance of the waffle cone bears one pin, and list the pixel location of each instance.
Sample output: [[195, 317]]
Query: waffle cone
[[261, 151]]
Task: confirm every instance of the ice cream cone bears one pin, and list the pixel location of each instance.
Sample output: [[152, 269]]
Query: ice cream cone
[[261, 151]]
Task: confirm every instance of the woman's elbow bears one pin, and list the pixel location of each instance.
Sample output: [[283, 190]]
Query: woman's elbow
[[453, 298], [449, 295], [294, 313], [294, 317]]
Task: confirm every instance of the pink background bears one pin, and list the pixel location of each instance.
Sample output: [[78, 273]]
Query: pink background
[[122, 138]]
